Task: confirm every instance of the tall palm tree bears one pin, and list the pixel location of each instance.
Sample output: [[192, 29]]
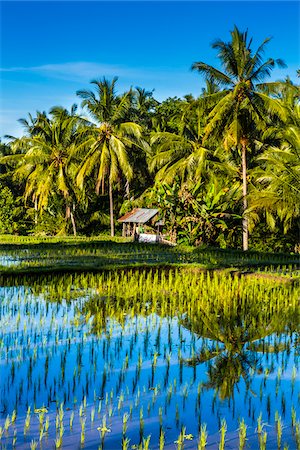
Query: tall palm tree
[[280, 182], [241, 106], [144, 104], [181, 154], [108, 139], [48, 166], [278, 176]]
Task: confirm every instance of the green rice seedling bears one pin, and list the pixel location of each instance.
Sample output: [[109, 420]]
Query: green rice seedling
[[130, 410], [285, 446], [180, 440], [14, 440], [47, 423], [13, 417], [7, 423], [222, 434], [81, 410], [141, 424], [259, 424], [125, 422], [34, 445], [58, 442], [27, 420], [42, 434], [160, 416], [71, 420], [41, 419], [279, 431], [161, 439], [103, 429], [61, 412], [82, 434], [242, 434], [125, 443], [177, 415], [202, 437], [120, 401], [263, 440], [294, 417], [93, 415], [1, 432], [297, 434], [146, 443], [293, 378]]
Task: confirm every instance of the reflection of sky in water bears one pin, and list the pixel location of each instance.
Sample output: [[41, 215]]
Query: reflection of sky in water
[[7, 261], [38, 338]]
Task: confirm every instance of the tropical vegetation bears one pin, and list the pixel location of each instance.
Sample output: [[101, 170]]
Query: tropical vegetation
[[223, 168]]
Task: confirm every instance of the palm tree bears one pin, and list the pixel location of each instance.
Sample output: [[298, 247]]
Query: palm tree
[[280, 182], [181, 154], [144, 105], [278, 176], [107, 141], [241, 107], [48, 166]]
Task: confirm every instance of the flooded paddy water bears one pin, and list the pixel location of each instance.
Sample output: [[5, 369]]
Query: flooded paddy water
[[149, 359]]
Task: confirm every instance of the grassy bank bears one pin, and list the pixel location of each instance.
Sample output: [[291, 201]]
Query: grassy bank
[[19, 254]]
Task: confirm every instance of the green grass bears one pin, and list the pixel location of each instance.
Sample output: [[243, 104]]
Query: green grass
[[29, 254]]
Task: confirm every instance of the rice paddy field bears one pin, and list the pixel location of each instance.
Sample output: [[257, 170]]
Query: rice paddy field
[[111, 345]]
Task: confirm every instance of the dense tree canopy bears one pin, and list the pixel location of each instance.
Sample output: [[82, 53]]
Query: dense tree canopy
[[217, 166]]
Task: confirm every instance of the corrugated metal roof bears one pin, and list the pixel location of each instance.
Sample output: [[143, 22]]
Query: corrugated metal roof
[[139, 215]]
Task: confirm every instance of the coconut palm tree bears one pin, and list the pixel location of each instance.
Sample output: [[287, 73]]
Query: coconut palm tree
[[279, 193], [181, 154], [144, 104], [241, 106], [47, 163], [278, 175], [107, 140]]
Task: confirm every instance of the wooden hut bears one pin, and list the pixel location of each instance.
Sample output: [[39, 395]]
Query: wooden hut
[[133, 222]]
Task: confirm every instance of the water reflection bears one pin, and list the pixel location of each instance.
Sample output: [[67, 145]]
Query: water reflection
[[168, 343], [236, 338]]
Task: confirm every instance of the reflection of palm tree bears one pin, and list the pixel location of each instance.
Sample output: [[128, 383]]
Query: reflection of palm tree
[[236, 334]]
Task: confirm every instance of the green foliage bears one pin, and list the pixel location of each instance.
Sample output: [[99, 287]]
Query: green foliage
[[199, 215], [215, 165], [8, 211]]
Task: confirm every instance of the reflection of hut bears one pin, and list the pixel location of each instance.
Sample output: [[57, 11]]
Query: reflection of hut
[[133, 224]]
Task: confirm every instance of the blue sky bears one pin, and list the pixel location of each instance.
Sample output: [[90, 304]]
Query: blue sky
[[51, 49]]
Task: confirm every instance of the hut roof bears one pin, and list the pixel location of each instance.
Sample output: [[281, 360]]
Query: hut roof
[[138, 215]]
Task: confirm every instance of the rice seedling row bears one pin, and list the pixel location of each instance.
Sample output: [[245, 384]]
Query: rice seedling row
[[152, 359]]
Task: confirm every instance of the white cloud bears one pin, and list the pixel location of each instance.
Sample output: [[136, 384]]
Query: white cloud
[[79, 70]]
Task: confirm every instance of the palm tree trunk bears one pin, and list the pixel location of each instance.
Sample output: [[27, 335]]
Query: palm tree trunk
[[111, 210], [35, 211], [245, 203], [73, 221]]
